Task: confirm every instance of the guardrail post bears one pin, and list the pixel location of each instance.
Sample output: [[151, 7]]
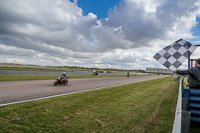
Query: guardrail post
[[184, 103], [185, 122]]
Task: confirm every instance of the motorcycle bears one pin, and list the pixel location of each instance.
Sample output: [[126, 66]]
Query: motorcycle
[[61, 81]]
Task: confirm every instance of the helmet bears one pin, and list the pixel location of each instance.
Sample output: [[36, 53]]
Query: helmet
[[64, 73]]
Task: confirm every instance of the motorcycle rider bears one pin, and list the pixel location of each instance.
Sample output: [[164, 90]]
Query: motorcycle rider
[[63, 79], [64, 76]]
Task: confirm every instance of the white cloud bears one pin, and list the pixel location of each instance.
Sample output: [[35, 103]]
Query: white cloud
[[55, 32]]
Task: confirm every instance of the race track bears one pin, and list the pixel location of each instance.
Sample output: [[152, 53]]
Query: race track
[[14, 91]]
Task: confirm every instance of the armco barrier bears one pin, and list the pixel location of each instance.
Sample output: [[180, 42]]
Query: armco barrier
[[182, 117]]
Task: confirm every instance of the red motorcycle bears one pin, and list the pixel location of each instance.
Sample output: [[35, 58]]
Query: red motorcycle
[[61, 81]]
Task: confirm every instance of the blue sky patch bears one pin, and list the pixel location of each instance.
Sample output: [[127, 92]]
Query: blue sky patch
[[98, 7], [196, 29]]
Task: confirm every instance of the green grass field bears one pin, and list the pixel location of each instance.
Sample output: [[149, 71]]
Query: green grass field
[[139, 107], [29, 69], [46, 77], [25, 77]]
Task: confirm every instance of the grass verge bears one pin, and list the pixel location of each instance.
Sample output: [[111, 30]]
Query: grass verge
[[46, 77], [29, 69], [140, 107], [25, 77]]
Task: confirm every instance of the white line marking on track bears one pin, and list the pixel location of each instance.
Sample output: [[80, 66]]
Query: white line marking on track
[[6, 104]]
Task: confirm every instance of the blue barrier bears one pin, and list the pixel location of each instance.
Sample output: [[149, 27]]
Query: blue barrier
[[193, 103]]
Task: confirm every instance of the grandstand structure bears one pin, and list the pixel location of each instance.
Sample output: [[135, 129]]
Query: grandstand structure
[[159, 71]]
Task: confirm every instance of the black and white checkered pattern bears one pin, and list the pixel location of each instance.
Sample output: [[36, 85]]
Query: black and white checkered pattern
[[175, 54]]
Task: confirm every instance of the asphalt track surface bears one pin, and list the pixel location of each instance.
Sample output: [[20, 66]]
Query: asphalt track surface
[[15, 91]]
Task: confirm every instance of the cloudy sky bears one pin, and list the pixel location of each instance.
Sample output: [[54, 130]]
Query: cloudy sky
[[121, 34]]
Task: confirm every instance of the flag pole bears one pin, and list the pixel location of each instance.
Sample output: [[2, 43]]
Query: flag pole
[[189, 60]]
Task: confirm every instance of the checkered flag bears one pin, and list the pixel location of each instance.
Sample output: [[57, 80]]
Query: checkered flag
[[175, 54]]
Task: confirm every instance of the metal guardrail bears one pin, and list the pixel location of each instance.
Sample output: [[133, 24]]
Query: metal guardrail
[[182, 117], [178, 114]]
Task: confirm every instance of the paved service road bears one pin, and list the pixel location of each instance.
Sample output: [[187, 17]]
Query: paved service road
[[14, 91]]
